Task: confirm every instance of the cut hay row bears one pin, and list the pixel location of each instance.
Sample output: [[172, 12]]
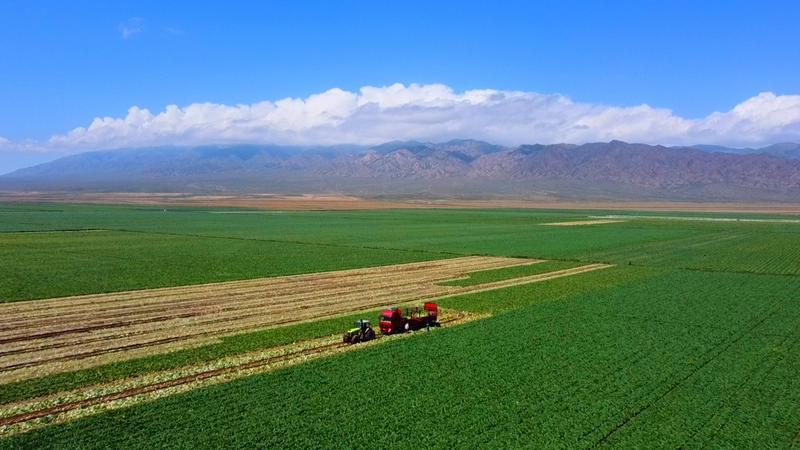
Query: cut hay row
[[220, 291], [245, 326], [299, 304], [578, 223]]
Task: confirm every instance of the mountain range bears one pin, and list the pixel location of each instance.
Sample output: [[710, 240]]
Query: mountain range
[[458, 168]]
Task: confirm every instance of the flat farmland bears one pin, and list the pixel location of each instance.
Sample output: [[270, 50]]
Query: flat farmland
[[57, 335], [687, 337]]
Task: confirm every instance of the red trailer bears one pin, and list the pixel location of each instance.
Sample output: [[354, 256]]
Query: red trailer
[[399, 320]]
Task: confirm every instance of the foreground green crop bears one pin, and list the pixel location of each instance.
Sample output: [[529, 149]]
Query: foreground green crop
[[666, 358]]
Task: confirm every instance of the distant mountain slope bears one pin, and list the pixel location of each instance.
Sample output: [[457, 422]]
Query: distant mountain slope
[[456, 168], [784, 150]]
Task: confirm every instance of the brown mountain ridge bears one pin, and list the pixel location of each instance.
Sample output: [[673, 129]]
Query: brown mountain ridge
[[460, 168]]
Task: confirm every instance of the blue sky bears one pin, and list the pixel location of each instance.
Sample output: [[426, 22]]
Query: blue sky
[[66, 63]]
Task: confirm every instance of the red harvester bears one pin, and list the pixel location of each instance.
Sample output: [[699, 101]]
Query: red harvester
[[400, 320]]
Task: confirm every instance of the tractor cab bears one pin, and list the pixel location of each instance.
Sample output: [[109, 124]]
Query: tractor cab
[[362, 332]]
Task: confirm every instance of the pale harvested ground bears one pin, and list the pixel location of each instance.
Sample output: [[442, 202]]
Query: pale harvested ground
[[137, 390], [704, 219], [578, 223], [344, 202], [55, 335]]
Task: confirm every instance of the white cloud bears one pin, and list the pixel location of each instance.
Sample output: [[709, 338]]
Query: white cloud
[[131, 27], [436, 112], [764, 118]]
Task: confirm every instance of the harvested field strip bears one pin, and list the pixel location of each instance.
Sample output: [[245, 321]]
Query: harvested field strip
[[388, 289], [95, 356], [177, 293], [211, 297], [74, 343], [269, 290], [398, 292], [65, 406], [388, 295], [261, 297], [583, 222], [253, 307], [699, 219]]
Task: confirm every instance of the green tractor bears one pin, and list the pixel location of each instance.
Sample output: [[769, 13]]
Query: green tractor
[[362, 332]]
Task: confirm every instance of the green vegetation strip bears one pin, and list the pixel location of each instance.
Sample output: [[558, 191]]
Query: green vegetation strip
[[507, 273]]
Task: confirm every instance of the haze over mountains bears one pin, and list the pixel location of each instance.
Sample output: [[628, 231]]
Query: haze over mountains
[[458, 168]]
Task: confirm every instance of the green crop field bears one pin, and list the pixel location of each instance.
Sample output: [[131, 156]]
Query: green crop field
[[692, 339]]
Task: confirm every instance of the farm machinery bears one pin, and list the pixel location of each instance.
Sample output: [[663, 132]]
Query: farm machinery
[[393, 321], [399, 320], [362, 332]]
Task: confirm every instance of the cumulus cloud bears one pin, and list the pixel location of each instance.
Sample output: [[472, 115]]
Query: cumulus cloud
[[436, 112], [131, 27]]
